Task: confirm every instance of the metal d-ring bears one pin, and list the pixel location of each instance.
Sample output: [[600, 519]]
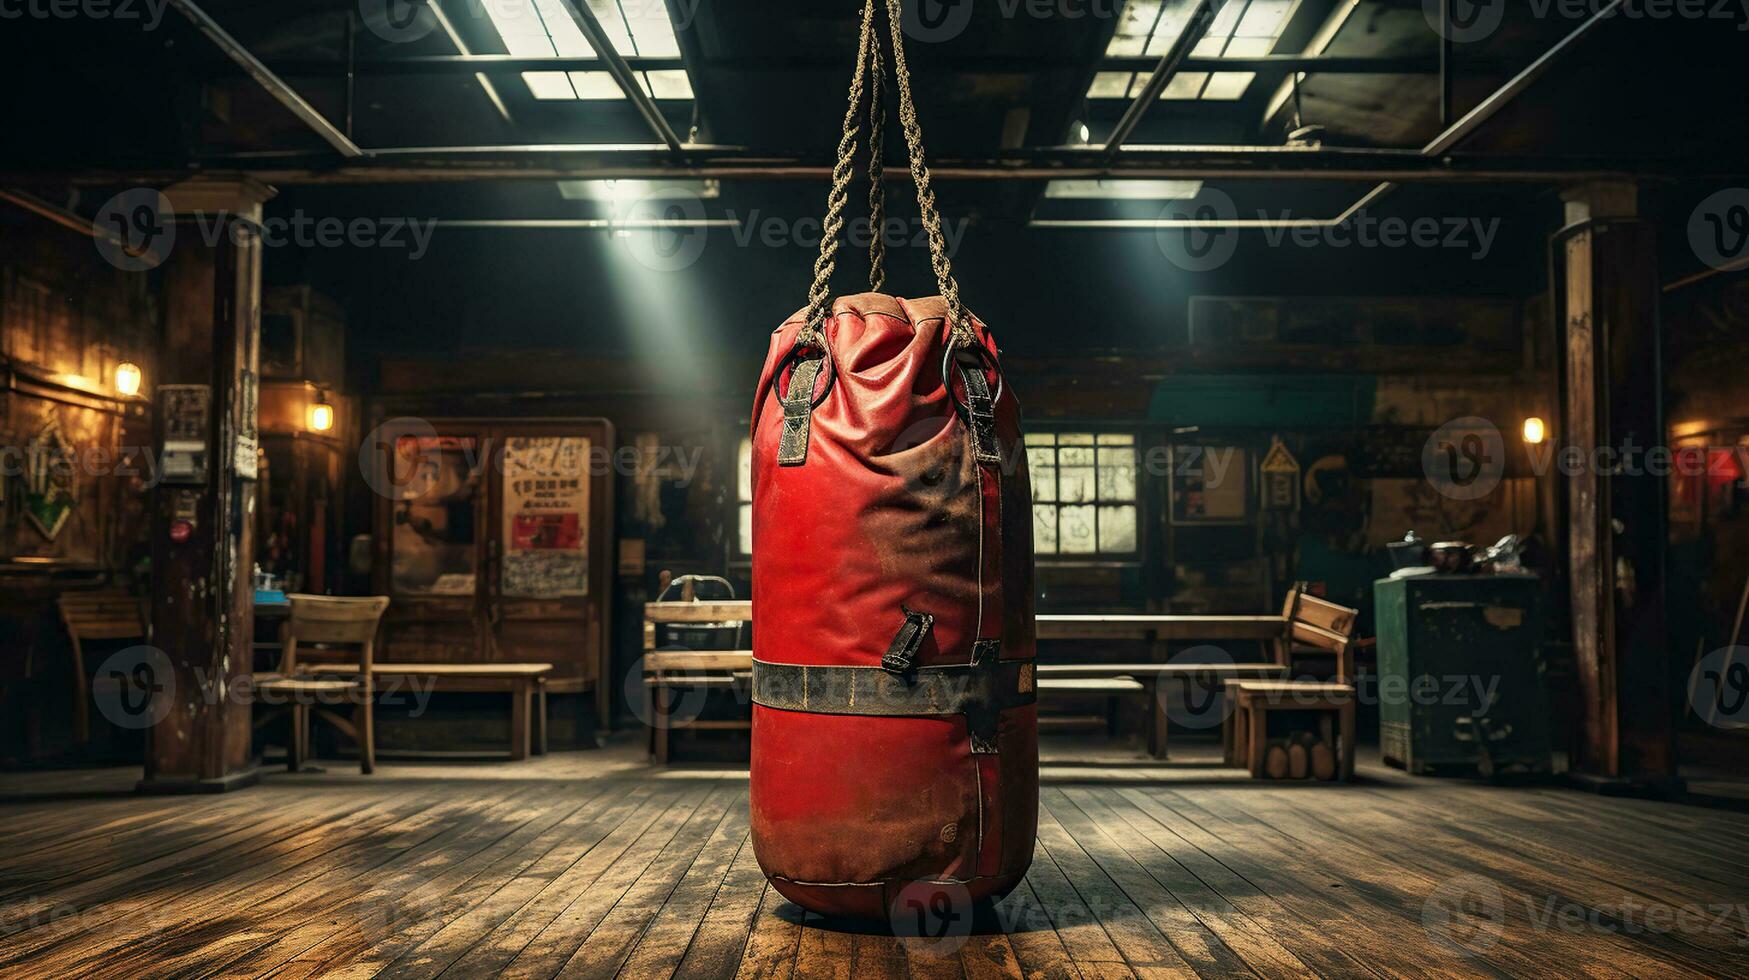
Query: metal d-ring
[[830, 367], [986, 359]]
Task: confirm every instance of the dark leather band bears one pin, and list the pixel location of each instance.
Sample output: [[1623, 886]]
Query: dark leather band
[[981, 690], [798, 412]]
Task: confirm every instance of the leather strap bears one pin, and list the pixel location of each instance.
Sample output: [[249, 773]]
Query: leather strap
[[981, 690], [798, 413], [980, 414]]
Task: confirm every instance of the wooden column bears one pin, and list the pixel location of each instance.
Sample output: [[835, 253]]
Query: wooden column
[[1616, 517], [203, 541]]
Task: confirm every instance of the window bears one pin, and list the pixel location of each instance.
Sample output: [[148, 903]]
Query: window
[[744, 498], [545, 29], [1241, 29], [1083, 492]]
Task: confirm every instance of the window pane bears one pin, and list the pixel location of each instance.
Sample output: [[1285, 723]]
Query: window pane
[[1044, 529], [1116, 439], [1228, 84], [1044, 483], [548, 85], [1117, 474], [1075, 456], [1074, 438], [744, 471], [1041, 438], [1075, 530], [1185, 85], [1111, 84], [1076, 483], [1117, 529]]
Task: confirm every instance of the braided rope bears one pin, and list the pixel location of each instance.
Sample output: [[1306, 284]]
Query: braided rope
[[819, 295], [938, 257], [877, 189]]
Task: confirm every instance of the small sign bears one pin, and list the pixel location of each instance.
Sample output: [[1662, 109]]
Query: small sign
[[1281, 479]]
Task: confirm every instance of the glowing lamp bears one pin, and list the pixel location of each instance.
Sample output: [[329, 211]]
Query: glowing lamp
[[1535, 431], [321, 415], [127, 378]]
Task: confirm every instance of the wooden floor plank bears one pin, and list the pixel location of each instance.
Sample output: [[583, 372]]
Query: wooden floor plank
[[594, 864]]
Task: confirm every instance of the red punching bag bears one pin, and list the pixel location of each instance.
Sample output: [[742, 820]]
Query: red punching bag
[[895, 731]]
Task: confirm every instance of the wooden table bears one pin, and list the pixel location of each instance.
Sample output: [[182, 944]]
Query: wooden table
[[526, 683]]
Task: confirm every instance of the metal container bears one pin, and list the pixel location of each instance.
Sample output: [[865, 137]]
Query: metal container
[[1461, 677]]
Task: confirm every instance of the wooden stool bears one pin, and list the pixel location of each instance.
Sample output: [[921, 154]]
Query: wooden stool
[[1246, 734]]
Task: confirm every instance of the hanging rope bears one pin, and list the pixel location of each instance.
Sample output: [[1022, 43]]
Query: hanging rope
[[819, 295], [877, 171], [869, 58], [938, 257]]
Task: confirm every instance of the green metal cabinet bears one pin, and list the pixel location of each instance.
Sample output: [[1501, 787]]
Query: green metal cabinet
[[1460, 673]]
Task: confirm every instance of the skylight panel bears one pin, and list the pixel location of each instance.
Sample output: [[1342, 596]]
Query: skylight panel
[[1240, 29], [546, 29]]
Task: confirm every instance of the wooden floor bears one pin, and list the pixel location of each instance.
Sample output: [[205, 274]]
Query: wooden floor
[[592, 865]]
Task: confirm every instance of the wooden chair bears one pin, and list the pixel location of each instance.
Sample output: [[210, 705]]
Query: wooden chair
[[1319, 627], [318, 624], [96, 616], [1315, 627]]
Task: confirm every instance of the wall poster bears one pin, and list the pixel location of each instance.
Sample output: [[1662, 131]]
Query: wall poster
[[546, 517]]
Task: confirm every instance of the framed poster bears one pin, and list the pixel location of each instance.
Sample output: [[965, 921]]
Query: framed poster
[[546, 516], [1210, 485]]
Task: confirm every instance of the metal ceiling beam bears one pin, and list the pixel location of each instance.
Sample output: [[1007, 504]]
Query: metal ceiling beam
[[655, 161], [504, 64], [1490, 106], [275, 86], [1194, 29], [461, 45], [621, 72]]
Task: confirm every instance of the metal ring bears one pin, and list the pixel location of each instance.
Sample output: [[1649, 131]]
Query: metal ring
[[988, 361], [830, 367]]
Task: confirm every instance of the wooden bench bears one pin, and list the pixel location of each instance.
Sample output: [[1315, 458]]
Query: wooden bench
[[1246, 735], [526, 683], [668, 671], [96, 616], [1316, 627], [1152, 679]]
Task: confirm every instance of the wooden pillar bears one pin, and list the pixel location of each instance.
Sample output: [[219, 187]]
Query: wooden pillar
[[203, 541], [1615, 502]]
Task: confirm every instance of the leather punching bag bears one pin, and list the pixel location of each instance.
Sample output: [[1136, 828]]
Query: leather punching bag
[[895, 734]]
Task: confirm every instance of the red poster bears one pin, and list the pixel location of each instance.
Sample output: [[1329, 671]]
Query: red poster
[[545, 532]]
